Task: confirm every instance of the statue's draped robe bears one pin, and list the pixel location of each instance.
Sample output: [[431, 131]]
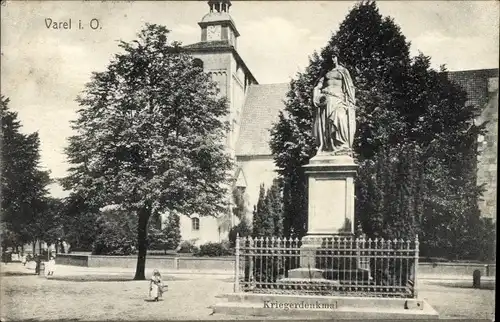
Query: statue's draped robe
[[337, 120]]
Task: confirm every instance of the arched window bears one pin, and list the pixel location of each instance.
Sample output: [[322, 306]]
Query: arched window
[[198, 63], [195, 223]]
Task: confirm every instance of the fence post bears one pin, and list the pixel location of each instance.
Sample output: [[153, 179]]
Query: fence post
[[237, 265], [415, 282]]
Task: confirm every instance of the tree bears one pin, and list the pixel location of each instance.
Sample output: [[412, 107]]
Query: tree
[[24, 185], [268, 214], [150, 135], [116, 229], [275, 204], [79, 219], [242, 229], [414, 143], [169, 237], [239, 203], [263, 224]]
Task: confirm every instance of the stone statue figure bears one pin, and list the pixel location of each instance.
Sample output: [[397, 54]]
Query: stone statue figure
[[334, 102]]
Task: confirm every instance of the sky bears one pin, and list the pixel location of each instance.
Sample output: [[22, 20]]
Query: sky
[[43, 70]]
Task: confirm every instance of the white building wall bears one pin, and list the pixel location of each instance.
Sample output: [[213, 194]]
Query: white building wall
[[208, 232], [257, 170]]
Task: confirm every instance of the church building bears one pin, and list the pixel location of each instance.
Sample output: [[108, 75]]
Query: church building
[[254, 107]]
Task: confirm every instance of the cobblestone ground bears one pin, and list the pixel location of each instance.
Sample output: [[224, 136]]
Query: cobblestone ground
[[114, 296]]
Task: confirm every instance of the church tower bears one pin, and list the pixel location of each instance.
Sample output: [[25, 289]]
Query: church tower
[[217, 53], [217, 25]]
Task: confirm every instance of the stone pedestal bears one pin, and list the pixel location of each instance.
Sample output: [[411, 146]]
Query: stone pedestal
[[331, 209], [331, 195]]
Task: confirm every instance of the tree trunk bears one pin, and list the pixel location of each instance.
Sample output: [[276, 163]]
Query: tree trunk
[[142, 235], [34, 247]]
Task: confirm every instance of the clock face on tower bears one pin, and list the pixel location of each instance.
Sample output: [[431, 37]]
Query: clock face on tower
[[213, 33]]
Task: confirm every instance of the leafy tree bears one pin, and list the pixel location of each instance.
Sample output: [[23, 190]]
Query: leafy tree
[[116, 231], [150, 135], [79, 220], [414, 143], [23, 186], [243, 228], [47, 224]]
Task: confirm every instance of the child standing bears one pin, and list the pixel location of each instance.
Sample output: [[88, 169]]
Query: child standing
[[156, 286], [51, 266]]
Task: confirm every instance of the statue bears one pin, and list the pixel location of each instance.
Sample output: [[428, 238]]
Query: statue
[[334, 123]]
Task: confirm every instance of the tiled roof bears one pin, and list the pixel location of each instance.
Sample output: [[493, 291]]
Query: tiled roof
[[260, 111], [214, 44], [475, 83]]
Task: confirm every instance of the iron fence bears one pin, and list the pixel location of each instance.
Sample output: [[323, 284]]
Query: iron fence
[[338, 265]]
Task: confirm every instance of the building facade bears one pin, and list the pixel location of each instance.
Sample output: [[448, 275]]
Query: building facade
[[255, 107]]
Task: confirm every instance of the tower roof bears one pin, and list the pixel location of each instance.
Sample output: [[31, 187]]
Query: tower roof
[[219, 15]]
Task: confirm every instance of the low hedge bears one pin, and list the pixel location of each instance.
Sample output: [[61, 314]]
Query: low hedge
[[214, 250]]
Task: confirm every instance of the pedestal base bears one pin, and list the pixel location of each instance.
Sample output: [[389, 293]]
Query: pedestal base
[[306, 273], [331, 194], [325, 307]]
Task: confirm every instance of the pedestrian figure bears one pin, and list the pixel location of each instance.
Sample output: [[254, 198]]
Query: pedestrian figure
[[156, 286], [51, 266], [38, 261]]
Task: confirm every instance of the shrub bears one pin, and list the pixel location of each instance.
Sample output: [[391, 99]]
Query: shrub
[[110, 245], [243, 229], [214, 250], [187, 247]]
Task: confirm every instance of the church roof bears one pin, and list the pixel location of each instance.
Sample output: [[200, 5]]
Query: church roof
[[475, 83], [260, 111]]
